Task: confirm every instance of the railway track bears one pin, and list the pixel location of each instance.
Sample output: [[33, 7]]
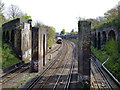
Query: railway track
[[59, 73], [55, 49], [19, 70], [10, 76], [98, 78], [62, 81]]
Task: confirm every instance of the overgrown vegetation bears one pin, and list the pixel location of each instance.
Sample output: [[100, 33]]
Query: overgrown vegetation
[[115, 21], [113, 64], [62, 32], [73, 32], [100, 54], [111, 50], [110, 18], [51, 36], [8, 56], [111, 47], [51, 33], [73, 40]]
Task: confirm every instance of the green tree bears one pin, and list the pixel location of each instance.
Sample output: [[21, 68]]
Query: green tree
[[111, 14], [62, 32], [51, 32], [73, 32], [111, 18], [111, 47], [51, 36], [25, 17]]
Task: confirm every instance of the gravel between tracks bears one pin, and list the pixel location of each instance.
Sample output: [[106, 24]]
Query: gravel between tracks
[[22, 78], [56, 76]]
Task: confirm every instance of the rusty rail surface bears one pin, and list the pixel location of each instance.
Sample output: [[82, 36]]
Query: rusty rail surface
[[19, 70], [105, 83], [41, 81], [32, 83]]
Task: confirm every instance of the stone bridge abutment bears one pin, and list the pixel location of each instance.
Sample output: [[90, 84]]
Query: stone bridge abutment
[[101, 37], [30, 43]]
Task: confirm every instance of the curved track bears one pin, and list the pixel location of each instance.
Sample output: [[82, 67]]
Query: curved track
[[58, 75], [5, 79], [98, 78]]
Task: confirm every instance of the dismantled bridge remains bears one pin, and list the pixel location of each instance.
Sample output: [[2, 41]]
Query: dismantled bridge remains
[[30, 43], [100, 37], [84, 51]]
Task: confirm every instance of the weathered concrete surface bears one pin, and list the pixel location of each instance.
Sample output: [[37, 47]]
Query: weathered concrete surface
[[35, 47], [101, 37], [39, 47], [19, 36], [84, 51], [27, 41]]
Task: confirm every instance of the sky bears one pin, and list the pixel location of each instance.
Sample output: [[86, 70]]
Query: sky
[[62, 13]]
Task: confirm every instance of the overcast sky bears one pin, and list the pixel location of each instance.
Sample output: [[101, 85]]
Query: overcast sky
[[62, 13]]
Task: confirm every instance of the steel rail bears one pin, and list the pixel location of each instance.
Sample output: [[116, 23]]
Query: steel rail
[[11, 76], [60, 74], [55, 49], [17, 71], [54, 70], [14, 70], [19, 67], [66, 87], [104, 76], [36, 79], [95, 79]]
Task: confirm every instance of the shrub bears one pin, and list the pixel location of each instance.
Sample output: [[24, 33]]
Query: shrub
[[8, 56], [51, 36], [100, 54], [113, 65], [111, 47]]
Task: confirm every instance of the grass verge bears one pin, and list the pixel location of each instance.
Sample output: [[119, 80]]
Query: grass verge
[[73, 40], [102, 55], [8, 56]]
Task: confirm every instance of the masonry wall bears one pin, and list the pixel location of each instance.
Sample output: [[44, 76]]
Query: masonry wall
[[43, 44], [19, 36], [99, 37], [12, 35], [84, 51], [26, 42], [39, 46], [35, 58]]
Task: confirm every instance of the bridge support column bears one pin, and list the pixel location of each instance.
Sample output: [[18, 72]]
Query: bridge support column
[[35, 48], [84, 51]]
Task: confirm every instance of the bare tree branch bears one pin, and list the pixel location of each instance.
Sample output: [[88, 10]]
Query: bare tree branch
[[13, 12]]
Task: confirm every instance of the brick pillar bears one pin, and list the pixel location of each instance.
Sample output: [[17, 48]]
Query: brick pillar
[[84, 43]]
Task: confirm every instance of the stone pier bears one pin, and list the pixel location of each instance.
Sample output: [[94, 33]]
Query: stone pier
[[39, 48], [84, 51]]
